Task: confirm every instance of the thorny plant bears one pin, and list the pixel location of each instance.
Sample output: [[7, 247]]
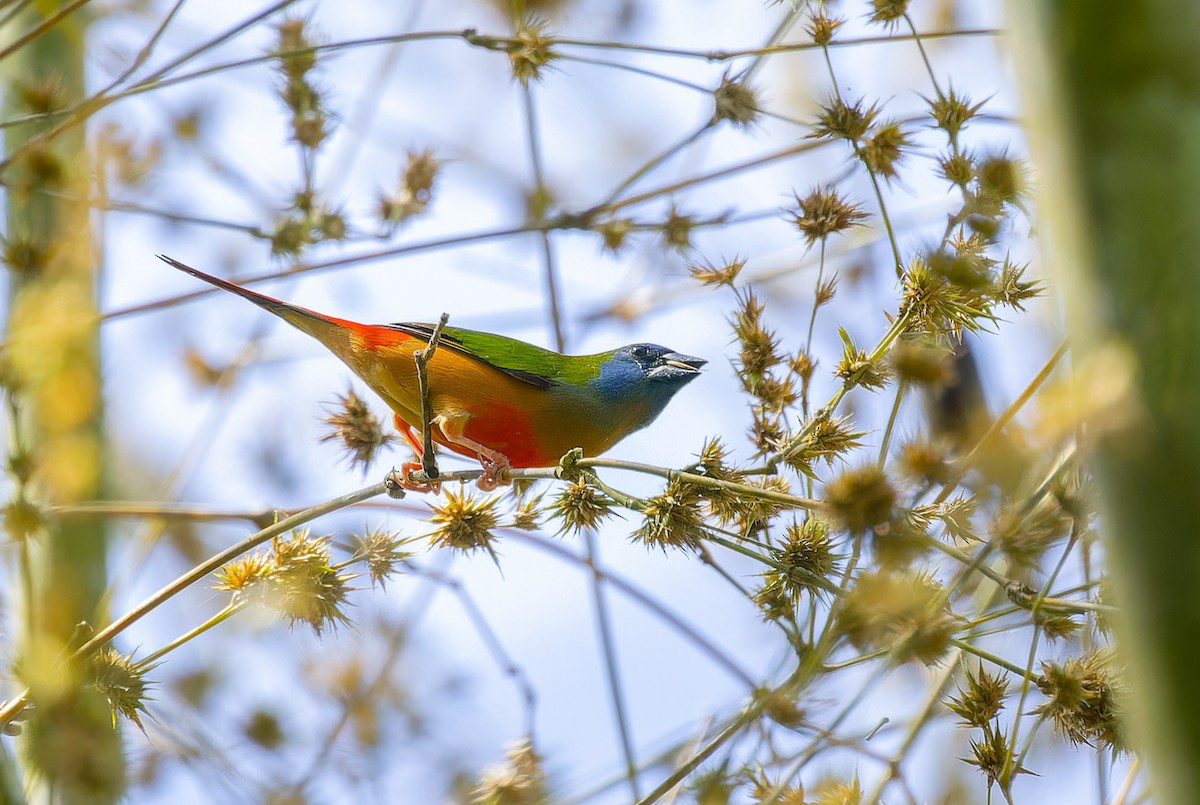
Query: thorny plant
[[966, 549]]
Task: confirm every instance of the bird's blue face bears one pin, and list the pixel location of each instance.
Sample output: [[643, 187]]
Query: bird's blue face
[[646, 374]]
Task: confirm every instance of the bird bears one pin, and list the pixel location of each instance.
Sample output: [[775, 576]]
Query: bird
[[506, 403]]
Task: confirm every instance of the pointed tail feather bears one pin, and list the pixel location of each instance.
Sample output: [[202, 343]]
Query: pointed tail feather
[[330, 332]]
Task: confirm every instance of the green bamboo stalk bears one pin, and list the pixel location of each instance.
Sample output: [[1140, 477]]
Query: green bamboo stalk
[[1114, 89], [70, 751]]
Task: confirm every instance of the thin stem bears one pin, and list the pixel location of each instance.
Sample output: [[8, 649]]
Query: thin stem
[[692, 635], [491, 640], [608, 648], [539, 189], [225, 614], [422, 357], [704, 481], [891, 423], [45, 25], [15, 706]]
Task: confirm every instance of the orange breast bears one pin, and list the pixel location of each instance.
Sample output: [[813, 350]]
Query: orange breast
[[520, 420]]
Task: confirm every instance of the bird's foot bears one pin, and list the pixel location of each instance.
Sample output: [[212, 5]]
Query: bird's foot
[[495, 473], [408, 482]]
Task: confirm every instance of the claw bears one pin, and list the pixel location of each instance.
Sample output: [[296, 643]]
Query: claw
[[407, 482], [495, 473]]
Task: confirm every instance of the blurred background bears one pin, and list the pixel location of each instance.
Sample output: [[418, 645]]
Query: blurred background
[[401, 169]]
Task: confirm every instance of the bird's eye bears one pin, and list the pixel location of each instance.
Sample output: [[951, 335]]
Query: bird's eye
[[639, 351]]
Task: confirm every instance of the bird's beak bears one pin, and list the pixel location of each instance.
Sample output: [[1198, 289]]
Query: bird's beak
[[676, 366], [685, 362]]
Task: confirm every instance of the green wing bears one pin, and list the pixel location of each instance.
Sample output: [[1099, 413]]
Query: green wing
[[525, 362]]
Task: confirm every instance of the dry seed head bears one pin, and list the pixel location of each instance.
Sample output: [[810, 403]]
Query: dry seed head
[[357, 428], [855, 369], [884, 148], [759, 348], [754, 512], [981, 699], [774, 599], [901, 612], [951, 112], [806, 558], [735, 101], [672, 519], [723, 504], [837, 120], [823, 212], [776, 393], [244, 574], [582, 506], [413, 195], [329, 224], [935, 306], [1024, 537], [826, 290], [122, 682], [1084, 699], [20, 463], [262, 728], [519, 780], [836, 792], [464, 522], [901, 541], [708, 274], [293, 37], [202, 372], [676, 230], [23, 519], [1000, 179], [308, 126], [803, 365], [527, 514], [993, 757], [713, 785], [24, 253], [958, 167], [39, 166], [128, 160], [1012, 288], [783, 709], [614, 231], [821, 27], [889, 12], [956, 517], [712, 459], [303, 585], [829, 439], [290, 236], [1056, 627], [530, 51], [382, 551], [766, 430], [420, 172], [41, 97], [825, 438]]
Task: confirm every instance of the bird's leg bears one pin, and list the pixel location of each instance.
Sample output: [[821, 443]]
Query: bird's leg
[[495, 469], [409, 467], [495, 464]]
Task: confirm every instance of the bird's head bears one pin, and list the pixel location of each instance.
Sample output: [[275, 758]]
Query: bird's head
[[644, 377]]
